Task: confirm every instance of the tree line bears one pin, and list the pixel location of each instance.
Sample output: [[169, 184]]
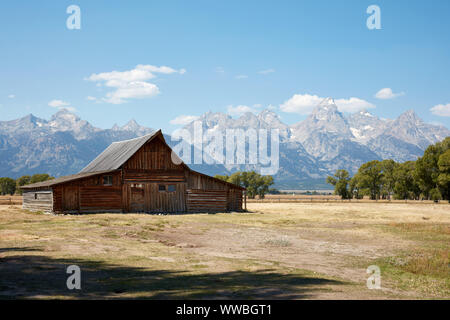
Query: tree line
[[11, 186], [256, 184], [426, 178]]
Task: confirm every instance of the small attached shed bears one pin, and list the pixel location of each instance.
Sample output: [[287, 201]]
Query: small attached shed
[[137, 175]]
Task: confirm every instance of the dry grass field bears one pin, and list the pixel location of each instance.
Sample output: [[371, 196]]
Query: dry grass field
[[10, 200], [329, 198], [276, 250]]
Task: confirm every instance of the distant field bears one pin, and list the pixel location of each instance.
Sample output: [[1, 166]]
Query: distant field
[[10, 200], [271, 198], [277, 250]]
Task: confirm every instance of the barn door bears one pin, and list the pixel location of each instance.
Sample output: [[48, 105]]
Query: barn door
[[137, 197], [70, 198]]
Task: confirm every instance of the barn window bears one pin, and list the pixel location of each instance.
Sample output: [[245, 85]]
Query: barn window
[[161, 187], [35, 196], [107, 180], [171, 188]]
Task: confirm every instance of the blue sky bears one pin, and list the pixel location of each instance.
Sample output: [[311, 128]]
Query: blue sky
[[227, 56]]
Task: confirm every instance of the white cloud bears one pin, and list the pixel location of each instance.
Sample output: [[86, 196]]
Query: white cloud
[[266, 71], [91, 98], [131, 84], [386, 93], [442, 110], [11, 96], [183, 120], [135, 89], [305, 103], [241, 76], [353, 105], [240, 110], [301, 103], [58, 103]]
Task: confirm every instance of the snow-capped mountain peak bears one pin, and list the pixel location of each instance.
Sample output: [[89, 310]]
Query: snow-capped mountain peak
[[136, 128]]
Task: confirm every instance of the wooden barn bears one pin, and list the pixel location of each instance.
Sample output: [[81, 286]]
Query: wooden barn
[[136, 175]]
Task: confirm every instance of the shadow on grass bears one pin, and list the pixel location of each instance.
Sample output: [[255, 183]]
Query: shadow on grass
[[39, 276]]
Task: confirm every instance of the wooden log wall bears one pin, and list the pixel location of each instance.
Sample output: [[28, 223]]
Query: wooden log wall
[[89, 195], [100, 198], [234, 200], [206, 200], [57, 199], [38, 200]]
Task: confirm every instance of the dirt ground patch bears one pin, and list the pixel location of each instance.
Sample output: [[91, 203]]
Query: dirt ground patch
[[277, 250]]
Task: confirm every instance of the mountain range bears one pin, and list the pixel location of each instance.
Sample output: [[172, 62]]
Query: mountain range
[[309, 150]]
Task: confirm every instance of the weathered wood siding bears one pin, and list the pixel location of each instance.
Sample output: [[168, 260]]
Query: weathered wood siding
[[89, 195], [136, 175], [203, 182], [100, 198], [206, 200], [234, 201], [38, 200], [154, 155], [146, 197], [57, 199]]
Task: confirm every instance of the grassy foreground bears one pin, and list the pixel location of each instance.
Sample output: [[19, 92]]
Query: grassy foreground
[[279, 251]]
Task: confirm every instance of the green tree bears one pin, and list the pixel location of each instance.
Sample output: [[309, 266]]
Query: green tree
[[354, 188], [264, 182], [370, 179], [23, 180], [427, 170], [443, 180], [388, 168], [405, 186], [256, 184], [340, 181], [222, 177], [40, 177], [7, 186]]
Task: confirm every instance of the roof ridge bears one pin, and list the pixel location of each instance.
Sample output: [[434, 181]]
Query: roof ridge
[[148, 134], [117, 153]]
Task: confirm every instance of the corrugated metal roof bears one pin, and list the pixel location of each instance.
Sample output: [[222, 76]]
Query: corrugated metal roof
[[59, 180], [117, 154]]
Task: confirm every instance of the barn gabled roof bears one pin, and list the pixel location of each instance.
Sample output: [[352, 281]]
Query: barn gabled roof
[[109, 160], [118, 153], [63, 179]]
